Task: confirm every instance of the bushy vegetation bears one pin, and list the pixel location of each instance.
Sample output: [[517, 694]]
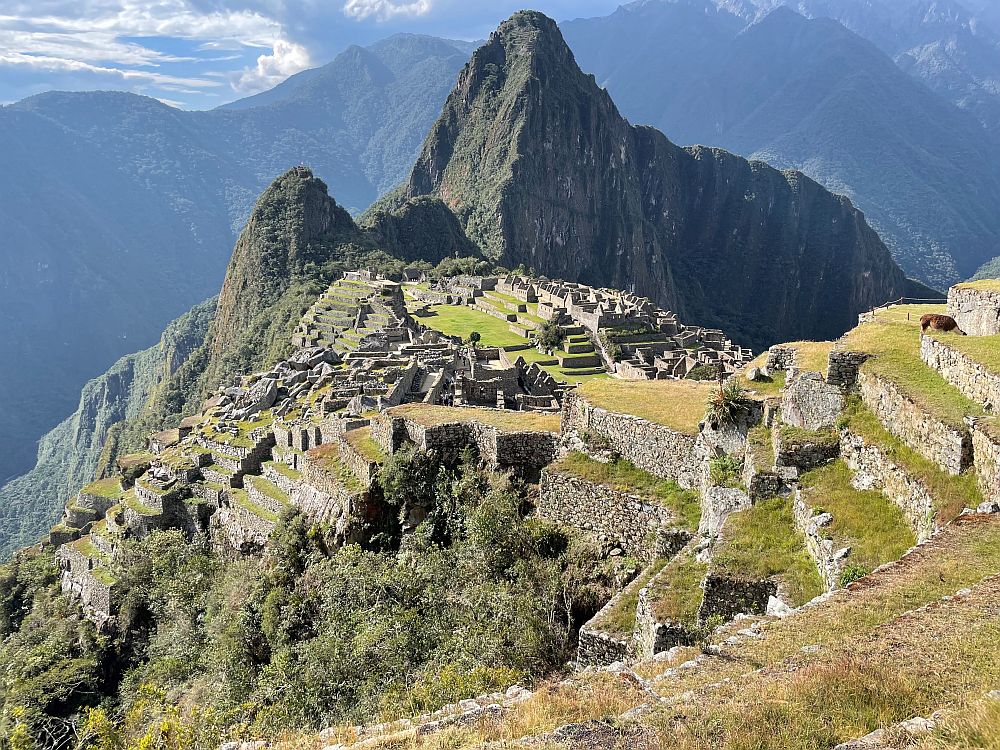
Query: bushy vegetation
[[475, 598]]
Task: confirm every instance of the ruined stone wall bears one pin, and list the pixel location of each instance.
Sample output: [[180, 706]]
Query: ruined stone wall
[[780, 358], [810, 402], [98, 598], [285, 484], [806, 454], [654, 448], [842, 368], [977, 312], [829, 561], [262, 499], [727, 596], [642, 529], [987, 449], [239, 529], [946, 445], [970, 377], [364, 469], [873, 469], [330, 501]]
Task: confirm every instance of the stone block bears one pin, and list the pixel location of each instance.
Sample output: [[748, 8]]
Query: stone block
[[811, 403]]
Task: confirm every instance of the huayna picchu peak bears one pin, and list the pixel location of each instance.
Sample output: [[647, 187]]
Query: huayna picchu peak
[[577, 439], [542, 170]]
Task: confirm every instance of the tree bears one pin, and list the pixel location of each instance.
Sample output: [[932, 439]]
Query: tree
[[473, 339]]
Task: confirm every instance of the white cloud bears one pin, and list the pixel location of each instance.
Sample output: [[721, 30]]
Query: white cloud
[[59, 64], [286, 58], [383, 10]]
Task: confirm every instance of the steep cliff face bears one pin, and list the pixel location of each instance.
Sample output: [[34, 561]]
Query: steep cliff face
[[69, 456], [541, 169]]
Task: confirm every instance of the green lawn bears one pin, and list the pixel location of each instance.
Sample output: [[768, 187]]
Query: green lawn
[[241, 498], [676, 595], [677, 404], [908, 314], [951, 494], [268, 488], [328, 457], [460, 320], [896, 357], [626, 477], [110, 487], [763, 542], [868, 522]]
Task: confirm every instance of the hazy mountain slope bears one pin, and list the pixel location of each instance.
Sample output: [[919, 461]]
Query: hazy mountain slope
[[951, 45], [541, 169], [68, 456], [813, 96], [119, 212]]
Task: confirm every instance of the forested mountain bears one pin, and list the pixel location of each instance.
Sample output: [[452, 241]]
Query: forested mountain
[[119, 212], [809, 95]]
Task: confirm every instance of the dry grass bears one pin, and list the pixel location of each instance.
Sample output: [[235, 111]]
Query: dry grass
[[430, 415], [960, 556], [677, 404], [811, 356], [983, 285]]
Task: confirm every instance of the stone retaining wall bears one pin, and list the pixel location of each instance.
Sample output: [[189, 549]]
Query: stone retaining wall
[[241, 530], [520, 451], [263, 499], [948, 446], [976, 311], [873, 469], [98, 599], [987, 449], [963, 372], [644, 530], [331, 501], [727, 596], [805, 455], [655, 448], [780, 358], [364, 469], [285, 484], [599, 648]]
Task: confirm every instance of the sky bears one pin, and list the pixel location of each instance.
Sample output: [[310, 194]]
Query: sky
[[198, 54]]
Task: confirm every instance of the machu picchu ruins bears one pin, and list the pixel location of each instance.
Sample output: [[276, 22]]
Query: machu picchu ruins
[[678, 473]]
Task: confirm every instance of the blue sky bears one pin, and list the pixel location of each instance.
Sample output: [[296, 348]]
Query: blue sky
[[198, 54]]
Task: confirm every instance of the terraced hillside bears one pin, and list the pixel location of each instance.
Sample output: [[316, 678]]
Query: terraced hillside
[[866, 633]]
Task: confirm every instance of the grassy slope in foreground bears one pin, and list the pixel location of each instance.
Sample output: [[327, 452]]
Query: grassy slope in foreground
[[983, 349], [677, 404]]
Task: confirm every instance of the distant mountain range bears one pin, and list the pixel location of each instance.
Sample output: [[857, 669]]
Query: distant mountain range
[[810, 95], [951, 45], [119, 212]]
